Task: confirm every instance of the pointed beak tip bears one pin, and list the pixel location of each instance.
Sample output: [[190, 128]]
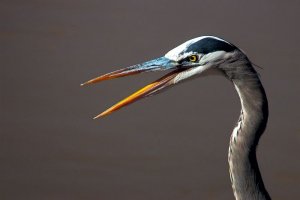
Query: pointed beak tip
[[101, 115], [98, 116], [85, 83]]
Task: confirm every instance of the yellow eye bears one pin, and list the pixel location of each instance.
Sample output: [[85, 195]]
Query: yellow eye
[[193, 58]]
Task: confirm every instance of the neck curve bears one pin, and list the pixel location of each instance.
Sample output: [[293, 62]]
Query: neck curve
[[244, 172]]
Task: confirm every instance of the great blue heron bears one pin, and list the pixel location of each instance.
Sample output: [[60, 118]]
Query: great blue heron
[[202, 56]]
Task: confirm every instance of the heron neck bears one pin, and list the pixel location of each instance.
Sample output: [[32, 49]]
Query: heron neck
[[245, 176]]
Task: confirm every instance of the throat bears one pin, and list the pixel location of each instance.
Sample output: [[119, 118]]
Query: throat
[[244, 172]]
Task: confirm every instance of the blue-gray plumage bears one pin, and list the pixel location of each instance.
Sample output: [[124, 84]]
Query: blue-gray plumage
[[210, 55]]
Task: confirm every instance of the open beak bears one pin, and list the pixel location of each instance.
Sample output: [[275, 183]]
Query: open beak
[[162, 63]]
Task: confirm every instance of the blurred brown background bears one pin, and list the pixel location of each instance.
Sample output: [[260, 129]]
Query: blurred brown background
[[171, 146]]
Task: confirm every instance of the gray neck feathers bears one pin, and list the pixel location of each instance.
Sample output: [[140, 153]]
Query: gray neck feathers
[[244, 171]]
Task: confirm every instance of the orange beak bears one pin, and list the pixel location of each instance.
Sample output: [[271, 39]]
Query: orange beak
[[150, 89]]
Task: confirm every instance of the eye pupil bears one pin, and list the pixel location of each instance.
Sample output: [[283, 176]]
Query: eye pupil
[[193, 58]]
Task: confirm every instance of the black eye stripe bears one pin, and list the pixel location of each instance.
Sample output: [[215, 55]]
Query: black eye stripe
[[209, 45]]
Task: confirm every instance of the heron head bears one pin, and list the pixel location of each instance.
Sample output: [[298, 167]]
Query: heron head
[[192, 58]]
